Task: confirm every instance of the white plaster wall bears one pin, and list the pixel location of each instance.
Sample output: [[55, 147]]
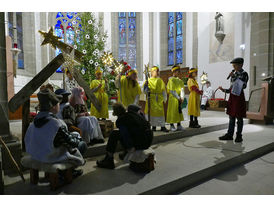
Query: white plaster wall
[[217, 72], [20, 81], [145, 37], [156, 38], [189, 39], [107, 29], [37, 27]]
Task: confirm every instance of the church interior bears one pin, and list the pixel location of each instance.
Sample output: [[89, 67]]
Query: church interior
[[39, 48]]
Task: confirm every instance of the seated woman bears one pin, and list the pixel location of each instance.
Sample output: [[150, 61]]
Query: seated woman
[[91, 131]]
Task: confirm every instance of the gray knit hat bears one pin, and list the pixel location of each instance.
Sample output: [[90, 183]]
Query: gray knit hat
[[48, 99]]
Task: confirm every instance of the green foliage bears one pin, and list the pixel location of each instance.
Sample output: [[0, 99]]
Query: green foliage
[[91, 38]]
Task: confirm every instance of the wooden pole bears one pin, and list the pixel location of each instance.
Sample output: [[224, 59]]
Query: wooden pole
[[25, 121], [12, 159]]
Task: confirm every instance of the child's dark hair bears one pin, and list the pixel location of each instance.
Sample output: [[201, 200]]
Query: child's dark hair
[[118, 109]]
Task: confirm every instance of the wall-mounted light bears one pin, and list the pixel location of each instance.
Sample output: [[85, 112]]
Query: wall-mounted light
[[254, 54], [242, 47], [263, 74]]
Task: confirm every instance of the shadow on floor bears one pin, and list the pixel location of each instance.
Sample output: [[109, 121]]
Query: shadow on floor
[[229, 148], [93, 182]]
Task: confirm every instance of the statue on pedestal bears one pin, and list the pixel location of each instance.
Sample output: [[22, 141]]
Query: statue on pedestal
[[219, 33]]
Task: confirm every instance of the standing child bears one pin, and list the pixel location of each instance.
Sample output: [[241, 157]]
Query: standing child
[[194, 98], [158, 96], [175, 87], [99, 87], [236, 105], [129, 88]]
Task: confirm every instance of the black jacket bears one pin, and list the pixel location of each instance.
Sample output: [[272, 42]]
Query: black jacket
[[138, 128]]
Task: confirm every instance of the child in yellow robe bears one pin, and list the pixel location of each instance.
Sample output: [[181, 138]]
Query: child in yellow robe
[[175, 88], [129, 88], [158, 96], [99, 87], [194, 98]]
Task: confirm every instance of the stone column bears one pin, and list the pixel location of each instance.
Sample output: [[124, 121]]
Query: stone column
[[14, 146], [261, 53], [4, 119]]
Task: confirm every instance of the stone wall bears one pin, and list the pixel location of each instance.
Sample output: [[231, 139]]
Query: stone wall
[[261, 53]]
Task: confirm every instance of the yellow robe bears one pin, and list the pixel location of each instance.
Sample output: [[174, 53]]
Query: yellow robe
[[102, 96], [173, 115], [129, 92], [194, 98], [157, 87]]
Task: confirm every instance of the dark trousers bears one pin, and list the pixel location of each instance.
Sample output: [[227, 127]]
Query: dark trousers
[[231, 126], [121, 135], [82, 147]]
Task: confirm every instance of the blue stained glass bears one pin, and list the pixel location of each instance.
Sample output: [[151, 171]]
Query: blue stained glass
[[170, 30], [59, 22], [122, 31], [122, 53], [179, 27], [20, 40], [179, 42], [131, 31], [179, 56], [127, 46], [59, 14], [20, 63], [170, 44], [59, 32], [122, 14], [131, 14], [170, 17], [170, 58], [179, 15], [70, 35], [70, 15]]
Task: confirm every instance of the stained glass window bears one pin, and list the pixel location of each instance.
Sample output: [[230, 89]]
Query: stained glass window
[[170, 38], [175, 37], [65, 23], [19, 36], [127, 37]]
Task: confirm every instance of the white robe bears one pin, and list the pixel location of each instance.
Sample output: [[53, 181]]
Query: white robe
[[207, 95], [90, 128]]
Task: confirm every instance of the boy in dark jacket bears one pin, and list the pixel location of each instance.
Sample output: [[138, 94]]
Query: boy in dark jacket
[[134, 133]]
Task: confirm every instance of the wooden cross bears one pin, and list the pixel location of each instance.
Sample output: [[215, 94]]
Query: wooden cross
[[24, 94]]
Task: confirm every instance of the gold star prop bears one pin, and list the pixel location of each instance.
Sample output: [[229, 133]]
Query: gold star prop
[[50, 38], [204, 78], [70, 62]]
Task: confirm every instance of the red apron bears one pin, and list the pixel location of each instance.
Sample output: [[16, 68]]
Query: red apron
[[236, 105]]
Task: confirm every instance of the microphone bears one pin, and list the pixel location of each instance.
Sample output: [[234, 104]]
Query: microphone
[[229, 75]]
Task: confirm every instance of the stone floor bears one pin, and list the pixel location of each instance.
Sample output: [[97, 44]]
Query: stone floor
[[253, 178], [175, 159]]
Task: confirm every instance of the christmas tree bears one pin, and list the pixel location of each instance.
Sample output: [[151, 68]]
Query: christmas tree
[[90, 40]]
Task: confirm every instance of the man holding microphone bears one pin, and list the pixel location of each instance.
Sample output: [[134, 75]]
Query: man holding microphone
[[236, 106]]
